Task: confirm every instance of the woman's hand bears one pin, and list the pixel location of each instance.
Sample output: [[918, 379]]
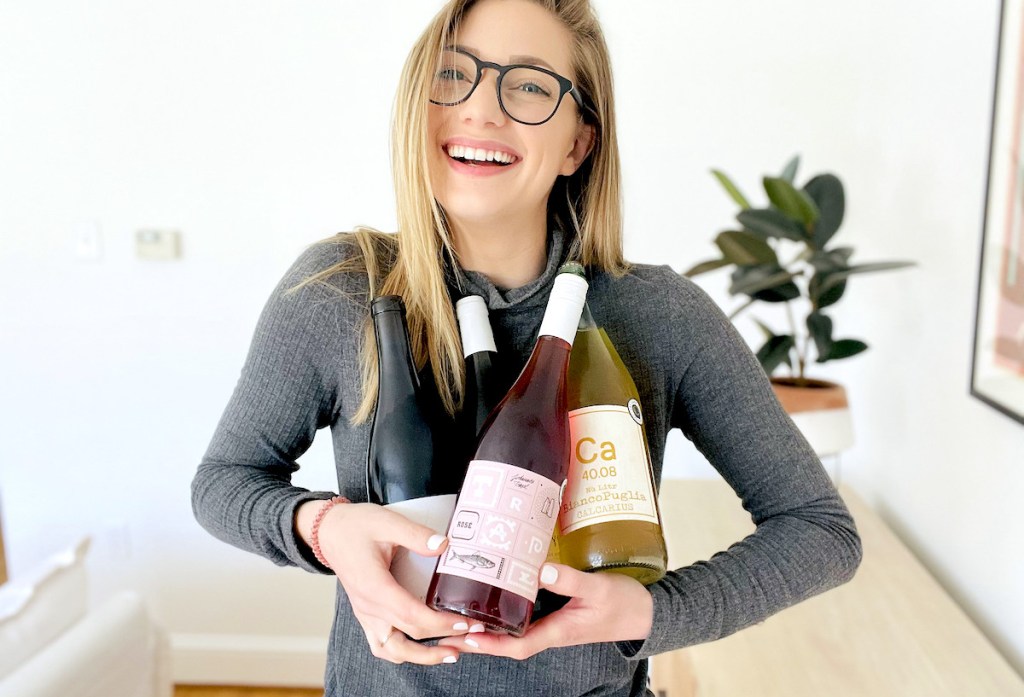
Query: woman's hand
[[604, 607], [358, 540]]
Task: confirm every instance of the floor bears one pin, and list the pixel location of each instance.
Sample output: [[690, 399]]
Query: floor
[[225, 691]]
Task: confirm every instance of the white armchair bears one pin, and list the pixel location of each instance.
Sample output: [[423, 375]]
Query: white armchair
[[53, 645]]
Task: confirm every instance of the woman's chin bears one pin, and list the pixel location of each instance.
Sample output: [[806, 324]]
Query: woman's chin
[[476, 213]]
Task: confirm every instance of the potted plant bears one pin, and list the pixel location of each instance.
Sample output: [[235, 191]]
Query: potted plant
[[784, 254]]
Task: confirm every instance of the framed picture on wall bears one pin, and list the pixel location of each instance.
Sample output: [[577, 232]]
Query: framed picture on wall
[[997, 367]]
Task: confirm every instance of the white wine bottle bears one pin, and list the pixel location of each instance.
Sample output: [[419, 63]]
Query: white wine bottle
[[609, 519]]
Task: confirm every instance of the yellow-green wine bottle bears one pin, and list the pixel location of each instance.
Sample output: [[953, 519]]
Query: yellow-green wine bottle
[[609, 519]]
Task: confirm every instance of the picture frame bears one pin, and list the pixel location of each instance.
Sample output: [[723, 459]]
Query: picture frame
[[997, 362]]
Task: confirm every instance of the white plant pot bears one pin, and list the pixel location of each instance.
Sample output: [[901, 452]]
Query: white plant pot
[[820, 410]]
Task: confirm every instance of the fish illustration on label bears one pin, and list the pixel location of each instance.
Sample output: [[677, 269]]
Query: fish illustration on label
[[475, 560], [501, 528]]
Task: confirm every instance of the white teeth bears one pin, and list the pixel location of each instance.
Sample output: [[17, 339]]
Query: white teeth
[[480, 155]]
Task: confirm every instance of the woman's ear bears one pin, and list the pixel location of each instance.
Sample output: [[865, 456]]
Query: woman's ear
[[581, 147]]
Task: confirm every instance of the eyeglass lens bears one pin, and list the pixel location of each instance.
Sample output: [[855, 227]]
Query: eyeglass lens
[[527, 94]]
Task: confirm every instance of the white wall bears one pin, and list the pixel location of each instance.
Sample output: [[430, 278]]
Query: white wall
[[256, 128]]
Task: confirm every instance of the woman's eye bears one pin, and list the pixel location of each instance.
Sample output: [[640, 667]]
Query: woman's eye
[[533, 88], [450, 74]]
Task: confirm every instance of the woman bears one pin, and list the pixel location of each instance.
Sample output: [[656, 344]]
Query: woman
[[499, 170]]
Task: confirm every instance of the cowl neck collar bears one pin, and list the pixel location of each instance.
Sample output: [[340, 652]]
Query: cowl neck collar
[[462, 282]]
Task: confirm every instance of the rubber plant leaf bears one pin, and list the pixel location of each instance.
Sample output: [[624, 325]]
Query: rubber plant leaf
[[840, 276], [768, 282], [827, 193], [745, 249], [794, 203], [706, 266], [789, 172], [772, 223], [734, 192], [820, 327], [774, 351], [844, 348]]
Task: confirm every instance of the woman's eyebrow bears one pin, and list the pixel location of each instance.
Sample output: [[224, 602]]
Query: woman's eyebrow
[[523, 59], [532, 60]]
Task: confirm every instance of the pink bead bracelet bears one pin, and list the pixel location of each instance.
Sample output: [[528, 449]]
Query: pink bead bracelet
[[314, 534]]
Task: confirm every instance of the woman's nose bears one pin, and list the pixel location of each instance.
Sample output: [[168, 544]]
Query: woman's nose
[[482, 106]]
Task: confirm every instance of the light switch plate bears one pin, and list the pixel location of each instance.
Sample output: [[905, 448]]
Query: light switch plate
[[160, 245]]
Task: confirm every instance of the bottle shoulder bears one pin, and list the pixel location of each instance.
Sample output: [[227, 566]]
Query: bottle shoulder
[[596, 373]]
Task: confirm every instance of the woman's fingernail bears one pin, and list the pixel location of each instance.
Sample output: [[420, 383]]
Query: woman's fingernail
[[435, 542], [460, 626], [476, 629], [548, 574], [450, 659], [472, 643]]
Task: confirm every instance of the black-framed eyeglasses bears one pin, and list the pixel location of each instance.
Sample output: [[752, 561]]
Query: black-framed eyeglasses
[[528, 94]]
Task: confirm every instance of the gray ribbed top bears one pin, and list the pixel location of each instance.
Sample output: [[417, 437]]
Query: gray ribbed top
[[693, 372]]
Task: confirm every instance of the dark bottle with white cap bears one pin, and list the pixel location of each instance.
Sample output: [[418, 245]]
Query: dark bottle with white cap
[[484, 388]]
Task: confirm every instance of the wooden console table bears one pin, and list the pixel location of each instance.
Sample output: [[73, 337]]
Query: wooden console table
[[890, 632]]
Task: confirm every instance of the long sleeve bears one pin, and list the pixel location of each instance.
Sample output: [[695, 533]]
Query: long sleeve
[[805, 540], [288, 389]]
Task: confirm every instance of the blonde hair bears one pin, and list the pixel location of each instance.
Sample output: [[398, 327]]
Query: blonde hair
[[587, 204]]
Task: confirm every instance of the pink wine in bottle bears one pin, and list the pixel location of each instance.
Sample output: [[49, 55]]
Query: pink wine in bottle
[[500, 531]]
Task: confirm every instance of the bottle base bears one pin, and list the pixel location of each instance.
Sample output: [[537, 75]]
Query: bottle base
[[646, 574], [634, 548], [494, 624]]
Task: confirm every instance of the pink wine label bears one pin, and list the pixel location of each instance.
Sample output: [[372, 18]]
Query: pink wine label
[[609, 475], [501, 527]]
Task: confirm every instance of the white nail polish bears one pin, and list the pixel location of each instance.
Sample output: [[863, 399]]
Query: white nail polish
[[435, 542], [460, 626], [476, 629], [450, 659], [472, 643], [548, 574]]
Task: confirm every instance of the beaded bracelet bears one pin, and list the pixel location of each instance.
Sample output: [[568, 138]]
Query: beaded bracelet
[[314, 534]]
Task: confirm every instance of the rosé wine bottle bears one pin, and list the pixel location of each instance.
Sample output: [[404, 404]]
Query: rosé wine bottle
[[500, 531]]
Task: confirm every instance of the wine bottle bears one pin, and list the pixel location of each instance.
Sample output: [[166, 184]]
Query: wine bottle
[[609, 519], [412, 465], [506, 512], [483, 385]]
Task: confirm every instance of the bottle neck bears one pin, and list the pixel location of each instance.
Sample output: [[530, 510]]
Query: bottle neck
[[586, 319], [562, 315], [474, 326], [396, 366]]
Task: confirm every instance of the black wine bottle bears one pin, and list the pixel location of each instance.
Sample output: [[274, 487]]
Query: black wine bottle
[[413, 461], [408, 455]]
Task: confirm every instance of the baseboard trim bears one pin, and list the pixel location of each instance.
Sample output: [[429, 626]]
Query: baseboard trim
[[238, 659]]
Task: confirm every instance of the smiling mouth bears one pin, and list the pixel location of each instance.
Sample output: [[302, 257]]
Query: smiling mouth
[[476, 157]]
